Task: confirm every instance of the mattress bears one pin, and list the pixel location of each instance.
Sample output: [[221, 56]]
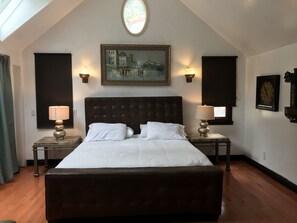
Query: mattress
[[135, 152]]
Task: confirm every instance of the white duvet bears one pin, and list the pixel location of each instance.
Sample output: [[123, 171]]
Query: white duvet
[[135, 152]]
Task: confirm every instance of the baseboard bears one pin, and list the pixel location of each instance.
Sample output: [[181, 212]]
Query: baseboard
[[280, 179], [285, 182], [212, 158]]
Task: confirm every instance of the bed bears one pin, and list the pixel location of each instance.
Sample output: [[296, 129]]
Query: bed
[[111, 193]]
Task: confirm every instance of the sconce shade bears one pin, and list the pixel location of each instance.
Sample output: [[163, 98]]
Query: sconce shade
[[189, 77], [190, 74], [84, 74], [204, 112], [58, 112], [84, 77]]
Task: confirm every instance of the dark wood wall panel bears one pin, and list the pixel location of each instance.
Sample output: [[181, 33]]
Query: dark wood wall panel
[[53, 80], [219, 80]]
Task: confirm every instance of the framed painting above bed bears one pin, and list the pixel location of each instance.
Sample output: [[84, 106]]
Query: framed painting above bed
[[129, 64]]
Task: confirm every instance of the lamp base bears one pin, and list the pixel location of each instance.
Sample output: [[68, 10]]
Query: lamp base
[[59, 132], [203, 130]]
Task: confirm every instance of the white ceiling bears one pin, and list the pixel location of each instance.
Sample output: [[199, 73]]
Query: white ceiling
[[251, 26]]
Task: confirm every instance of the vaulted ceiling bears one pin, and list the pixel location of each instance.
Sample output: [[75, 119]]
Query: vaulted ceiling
[[251, 26]]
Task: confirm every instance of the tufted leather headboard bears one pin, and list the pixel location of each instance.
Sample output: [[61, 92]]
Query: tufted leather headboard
[[133, 111]]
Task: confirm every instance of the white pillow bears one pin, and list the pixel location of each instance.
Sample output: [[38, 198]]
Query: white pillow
[[168, 131], [106, 131], [143, 130], [129, 132]]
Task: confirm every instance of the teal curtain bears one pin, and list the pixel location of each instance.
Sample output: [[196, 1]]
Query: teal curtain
[[8, 159]]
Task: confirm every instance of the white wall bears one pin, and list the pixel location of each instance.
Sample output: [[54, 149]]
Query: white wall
[[97, 22], [271, 132]]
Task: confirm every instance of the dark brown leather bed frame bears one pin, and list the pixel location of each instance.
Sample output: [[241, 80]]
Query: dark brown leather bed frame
[[100, 195]]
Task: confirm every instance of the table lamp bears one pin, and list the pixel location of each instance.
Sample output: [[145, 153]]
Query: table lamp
[[59, 113], [204, 113]]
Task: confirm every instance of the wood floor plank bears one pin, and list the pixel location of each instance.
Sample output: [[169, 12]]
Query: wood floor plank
[[23, 198], [249, 196]]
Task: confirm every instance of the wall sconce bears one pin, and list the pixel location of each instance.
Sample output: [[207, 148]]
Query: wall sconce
[[84, 75], [190, 74]]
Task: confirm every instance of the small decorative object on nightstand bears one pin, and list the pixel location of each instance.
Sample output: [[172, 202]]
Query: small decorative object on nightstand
[[50, 143], [204, 113], [59, 113]]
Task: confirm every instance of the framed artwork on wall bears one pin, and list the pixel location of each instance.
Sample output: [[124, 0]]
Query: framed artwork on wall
[[127, 64], [267, 92]]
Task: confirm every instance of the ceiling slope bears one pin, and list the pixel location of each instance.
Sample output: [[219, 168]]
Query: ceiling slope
[[251, 26], [40, 23]]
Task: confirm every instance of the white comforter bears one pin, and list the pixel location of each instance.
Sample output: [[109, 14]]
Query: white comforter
[[135, 152]]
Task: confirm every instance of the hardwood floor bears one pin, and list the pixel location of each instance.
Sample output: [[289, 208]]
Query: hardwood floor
[[23, 198], [249, 197]]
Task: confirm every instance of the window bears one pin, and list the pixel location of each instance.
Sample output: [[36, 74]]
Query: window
[[220, 112], [7, 8], [3, 4], [219, 87], [135, 16], [223, 116]]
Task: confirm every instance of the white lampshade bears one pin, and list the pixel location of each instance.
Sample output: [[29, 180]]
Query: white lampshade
[[58, 112], [204, 112]]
